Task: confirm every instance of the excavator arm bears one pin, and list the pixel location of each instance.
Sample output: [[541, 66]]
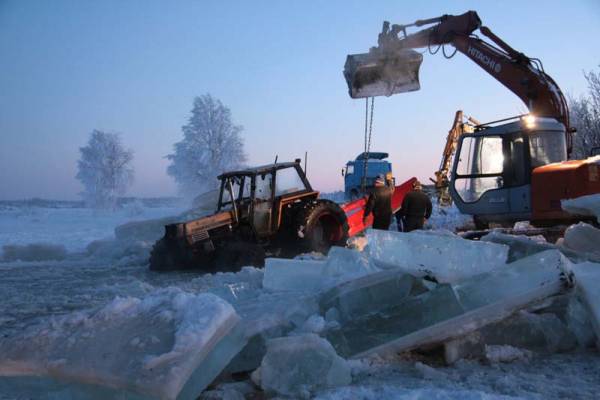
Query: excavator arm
[[442, 178], [393, 56]]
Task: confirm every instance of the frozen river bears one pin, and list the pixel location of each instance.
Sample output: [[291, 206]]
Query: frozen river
[[34, 293]]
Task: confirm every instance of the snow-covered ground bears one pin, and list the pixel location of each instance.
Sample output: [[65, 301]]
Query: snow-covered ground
[[38, 293], [73, 228]]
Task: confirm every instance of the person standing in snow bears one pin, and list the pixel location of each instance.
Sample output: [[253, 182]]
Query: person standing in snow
[[416, 209], [380, 204]]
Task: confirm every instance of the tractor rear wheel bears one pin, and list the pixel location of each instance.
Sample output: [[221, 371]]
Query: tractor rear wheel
[[321, 224]]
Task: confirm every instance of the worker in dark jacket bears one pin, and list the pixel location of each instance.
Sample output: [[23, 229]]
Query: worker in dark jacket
[[380, 204], [416, 209]]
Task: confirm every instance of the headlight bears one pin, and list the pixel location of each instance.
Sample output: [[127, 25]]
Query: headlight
[[529, 121]]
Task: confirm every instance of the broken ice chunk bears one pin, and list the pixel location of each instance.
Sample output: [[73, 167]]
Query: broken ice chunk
[[168, 345], [448, 258], [371, 293], [448, 312], [539, 332], [587, 276], [583, 238], [365, 335], [521, 246], [578, 321], [585, 205], [468, 346], [345, 264], [293, 275], [514, 280], [296, 366]]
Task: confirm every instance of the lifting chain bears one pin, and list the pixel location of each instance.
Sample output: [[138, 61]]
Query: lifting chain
[[368, 134]]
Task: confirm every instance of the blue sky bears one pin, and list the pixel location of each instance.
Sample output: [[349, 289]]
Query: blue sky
[[133, 67]]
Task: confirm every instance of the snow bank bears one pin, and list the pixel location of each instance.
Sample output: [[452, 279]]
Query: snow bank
[[446, 257], [149, 230], [33, 252], [299, 365], [170, 344], [585, 205]]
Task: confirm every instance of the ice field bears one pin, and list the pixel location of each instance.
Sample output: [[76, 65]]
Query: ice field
[[78, 314]]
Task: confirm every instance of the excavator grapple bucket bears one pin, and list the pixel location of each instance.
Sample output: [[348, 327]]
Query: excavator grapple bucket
[[382, 74]]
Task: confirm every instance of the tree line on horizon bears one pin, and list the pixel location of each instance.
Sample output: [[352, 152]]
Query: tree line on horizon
[[211, 144]]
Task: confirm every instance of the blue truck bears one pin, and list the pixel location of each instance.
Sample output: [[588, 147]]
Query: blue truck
[[355, 171]]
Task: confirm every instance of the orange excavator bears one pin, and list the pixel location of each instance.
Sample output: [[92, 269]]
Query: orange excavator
[[508, 170]]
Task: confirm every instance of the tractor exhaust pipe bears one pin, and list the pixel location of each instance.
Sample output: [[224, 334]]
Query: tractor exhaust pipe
[[380, 73]]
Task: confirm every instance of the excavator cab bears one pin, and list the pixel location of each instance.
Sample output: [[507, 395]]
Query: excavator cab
[[492, 172]]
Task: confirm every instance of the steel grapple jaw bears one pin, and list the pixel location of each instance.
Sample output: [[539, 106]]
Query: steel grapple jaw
[[382, 73]]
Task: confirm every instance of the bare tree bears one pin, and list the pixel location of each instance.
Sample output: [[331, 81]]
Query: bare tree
[[104, 169], [585, 116], [211, 145]]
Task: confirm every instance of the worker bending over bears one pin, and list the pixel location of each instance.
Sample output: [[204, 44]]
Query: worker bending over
[[416, 209], [380, 204]]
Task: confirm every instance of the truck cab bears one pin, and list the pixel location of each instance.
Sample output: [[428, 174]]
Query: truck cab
[[354, 173]]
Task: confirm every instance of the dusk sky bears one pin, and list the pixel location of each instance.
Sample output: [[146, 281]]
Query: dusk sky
[[134, 67]]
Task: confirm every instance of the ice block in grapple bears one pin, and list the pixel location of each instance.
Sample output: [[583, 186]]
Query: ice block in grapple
[[379, 73]]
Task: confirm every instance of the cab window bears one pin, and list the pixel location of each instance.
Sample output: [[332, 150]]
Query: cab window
[[480, 167], [288, 181]]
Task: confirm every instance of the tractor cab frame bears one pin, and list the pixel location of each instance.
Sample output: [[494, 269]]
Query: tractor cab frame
[[260, 194]]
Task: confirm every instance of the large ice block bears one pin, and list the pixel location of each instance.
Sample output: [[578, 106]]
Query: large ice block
[[583, 238], [372, 333], [520, 246], [267, 316], [371, 293], [296, 366], [587, 277], [345, 264], [448, 258], [448, 312], [168, 345], [539, 332], [293, 275], [310, 275], [578, 321], [585, 205]]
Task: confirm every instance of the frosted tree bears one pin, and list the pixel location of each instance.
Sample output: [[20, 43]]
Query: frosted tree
[[104, 169], [211, 145], [585, 116]]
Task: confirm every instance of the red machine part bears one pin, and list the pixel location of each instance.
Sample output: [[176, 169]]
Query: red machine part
[[356, 209], [566, 180]]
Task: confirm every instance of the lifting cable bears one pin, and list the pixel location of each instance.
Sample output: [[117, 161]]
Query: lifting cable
[[368, 134]]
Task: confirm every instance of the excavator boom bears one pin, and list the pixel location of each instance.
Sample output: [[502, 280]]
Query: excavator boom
[[393, 66]]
